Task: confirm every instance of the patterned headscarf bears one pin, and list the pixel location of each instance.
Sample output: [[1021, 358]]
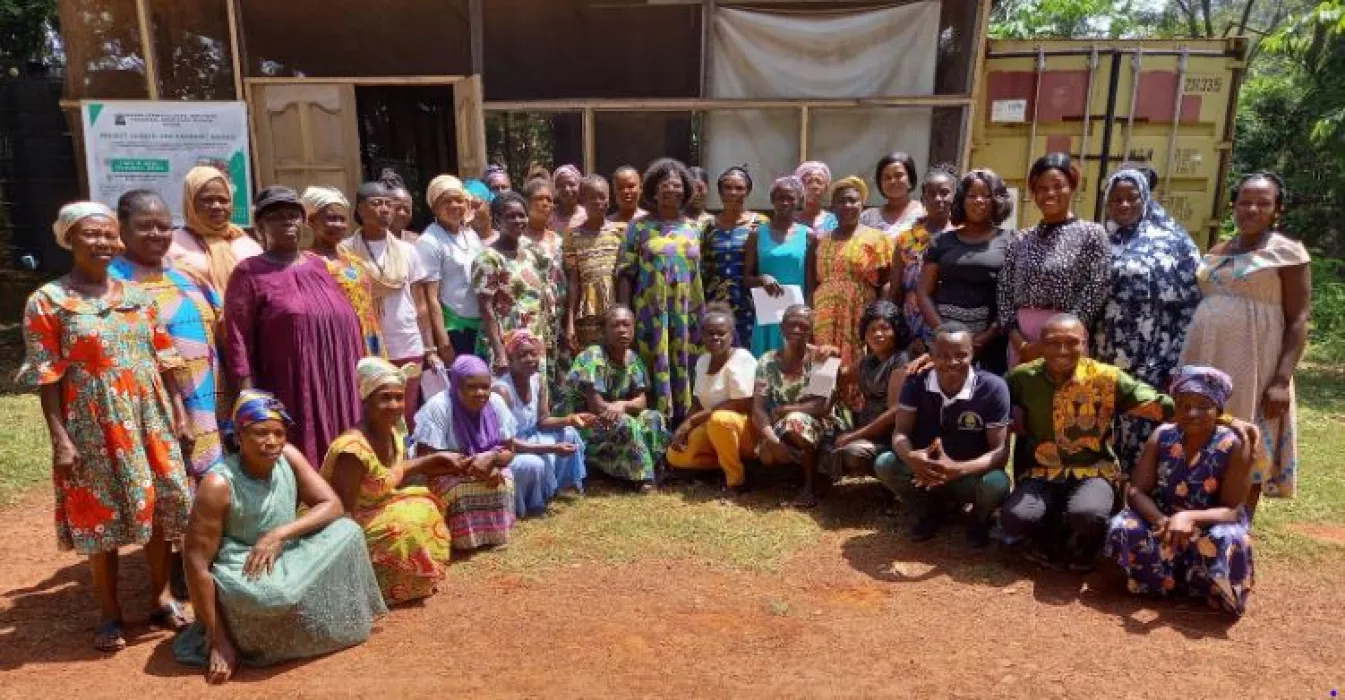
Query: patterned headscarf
[[256, 406], [1209, 382], [476, 432], [374, 373], [788, 182], [440, 186], [813, 166], [517, 338], [72, 214], [851, 182], [215, 240], [1140, 182], [316, 198]]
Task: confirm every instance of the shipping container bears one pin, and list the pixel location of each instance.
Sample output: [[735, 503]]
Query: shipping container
[[1166, 104]]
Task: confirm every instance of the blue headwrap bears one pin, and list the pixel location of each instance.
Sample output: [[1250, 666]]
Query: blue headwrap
[[477, 189], [1209, 382], [256, 406]]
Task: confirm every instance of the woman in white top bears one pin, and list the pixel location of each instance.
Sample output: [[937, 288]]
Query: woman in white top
[[718, 433], [447, 248]]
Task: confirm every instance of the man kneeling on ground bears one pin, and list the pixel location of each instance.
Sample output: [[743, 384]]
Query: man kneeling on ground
[[951, 440]]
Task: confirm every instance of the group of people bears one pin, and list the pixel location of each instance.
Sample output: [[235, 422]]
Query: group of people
[[200, 384]]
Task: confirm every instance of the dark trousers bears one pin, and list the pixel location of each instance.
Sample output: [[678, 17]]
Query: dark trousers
[[1056, 512], [463, 341]]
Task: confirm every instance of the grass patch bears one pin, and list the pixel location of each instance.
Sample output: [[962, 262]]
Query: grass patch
[[25, 452]]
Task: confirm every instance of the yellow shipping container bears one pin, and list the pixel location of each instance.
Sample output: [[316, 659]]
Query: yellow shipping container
[[1167, 104]]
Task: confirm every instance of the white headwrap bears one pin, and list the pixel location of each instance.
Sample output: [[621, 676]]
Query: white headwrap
[[74, 213], [315, 198], [440, 186]]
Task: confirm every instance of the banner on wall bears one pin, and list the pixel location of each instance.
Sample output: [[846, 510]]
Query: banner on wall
[[151, 145]]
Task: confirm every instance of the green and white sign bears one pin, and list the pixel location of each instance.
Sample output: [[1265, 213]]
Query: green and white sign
[[142, 144]]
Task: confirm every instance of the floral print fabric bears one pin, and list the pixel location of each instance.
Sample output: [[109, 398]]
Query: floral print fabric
[[781, 388], [591, 256], [357, 287], [723, 267], [849, 275], [107, 355], [629, 448], [518, 291]]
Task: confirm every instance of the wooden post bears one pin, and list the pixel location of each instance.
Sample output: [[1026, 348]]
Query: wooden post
[[236, 49], [803, 133], [147, 49], [590, 139], [476, 25], [977, 81]]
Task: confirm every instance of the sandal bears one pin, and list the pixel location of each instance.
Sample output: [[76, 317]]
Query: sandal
[[170, 616], [109, 637]]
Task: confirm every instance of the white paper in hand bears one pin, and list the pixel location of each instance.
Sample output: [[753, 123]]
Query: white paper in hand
[[823, 380], [771, 310]]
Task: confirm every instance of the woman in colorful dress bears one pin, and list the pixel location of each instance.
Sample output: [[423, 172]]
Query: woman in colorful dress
[[959, 277], [724, 249], [1061, 265], [590, 253], [269, 584], [659, 271], [542, 443], [510, 279], [937, 200], [447, 249], [846, 270], [1257, 287], [719, 435], [189, 310], [289, 330], [473, 427], [1186, 532], [895, 176], [568, 212], [1153, 297], [816, 179], [609, 381], [328, 215], [106, 372], [700, 192], [408, 542], [209, 243], [550, 244], [776, 254], [790, 423]]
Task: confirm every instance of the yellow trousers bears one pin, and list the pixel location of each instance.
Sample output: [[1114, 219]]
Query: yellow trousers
[[719, 443]]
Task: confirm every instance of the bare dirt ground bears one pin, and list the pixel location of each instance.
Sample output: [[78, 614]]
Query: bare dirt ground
[[860, 614]]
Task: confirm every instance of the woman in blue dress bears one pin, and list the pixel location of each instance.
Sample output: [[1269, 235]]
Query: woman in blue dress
[[816, 179], [724, 250], [1186, 532], [776, 253], [552, 446], [1153, 299]]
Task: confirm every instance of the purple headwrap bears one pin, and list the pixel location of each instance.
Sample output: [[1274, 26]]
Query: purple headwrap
[[1209, 382], [476, 432]]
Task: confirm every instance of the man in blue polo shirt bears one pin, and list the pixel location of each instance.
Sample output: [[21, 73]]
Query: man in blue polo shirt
[[951, 440]]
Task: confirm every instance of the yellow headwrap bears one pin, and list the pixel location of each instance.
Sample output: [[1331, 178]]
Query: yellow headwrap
[[374, 373], [440, 186], [72, 214], [851, 182], [214, 239], [315, 198]]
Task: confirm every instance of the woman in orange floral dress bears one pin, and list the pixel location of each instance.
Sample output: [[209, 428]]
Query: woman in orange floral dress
[[846, 271], [105, 366]]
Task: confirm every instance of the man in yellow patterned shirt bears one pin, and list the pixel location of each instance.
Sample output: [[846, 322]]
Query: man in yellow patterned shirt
[[1067, 474]]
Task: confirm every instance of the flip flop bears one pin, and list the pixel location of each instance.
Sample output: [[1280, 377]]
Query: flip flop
[[171, 616], [109, 637]]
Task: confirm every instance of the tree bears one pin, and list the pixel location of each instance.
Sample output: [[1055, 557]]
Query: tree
[[25, 29]]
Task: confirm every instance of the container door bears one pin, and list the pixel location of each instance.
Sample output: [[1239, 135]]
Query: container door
[[307, 135], [470, 124]]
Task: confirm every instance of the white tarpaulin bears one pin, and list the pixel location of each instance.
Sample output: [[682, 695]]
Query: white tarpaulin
[[766, 55]]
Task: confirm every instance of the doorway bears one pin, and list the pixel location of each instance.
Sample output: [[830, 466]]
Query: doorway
[[410, 130]]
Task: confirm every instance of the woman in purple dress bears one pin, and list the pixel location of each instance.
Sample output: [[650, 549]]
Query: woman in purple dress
[[290, 331]]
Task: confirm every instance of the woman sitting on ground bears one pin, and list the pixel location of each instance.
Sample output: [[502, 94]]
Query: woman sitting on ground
[[718, 434], [474, 427], [408, 542], [267, 584], [610, 382], [880, 376], [1186, 531], [788, 422], [542, 443]]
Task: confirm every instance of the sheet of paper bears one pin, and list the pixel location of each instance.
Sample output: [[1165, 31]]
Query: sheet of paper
[[823, 380], [771, 310]]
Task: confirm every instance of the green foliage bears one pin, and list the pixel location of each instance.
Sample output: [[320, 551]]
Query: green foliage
[[1065, 19], [24, 28], [1328, 311]]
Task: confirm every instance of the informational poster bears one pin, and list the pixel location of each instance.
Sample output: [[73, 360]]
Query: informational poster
[[152, 144]]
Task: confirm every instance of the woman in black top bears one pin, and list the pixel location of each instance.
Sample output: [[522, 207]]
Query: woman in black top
[[960, 275]]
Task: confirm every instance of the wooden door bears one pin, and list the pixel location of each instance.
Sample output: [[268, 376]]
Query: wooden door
[[470, 122], [307, 135]]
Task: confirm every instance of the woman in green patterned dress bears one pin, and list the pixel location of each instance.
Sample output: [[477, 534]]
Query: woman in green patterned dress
[[610, 382], [510, 279], [789, 422]]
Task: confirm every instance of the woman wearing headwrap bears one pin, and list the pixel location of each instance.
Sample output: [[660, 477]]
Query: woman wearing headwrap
[[544, 445], [209, 243], [447, 249], [497, 179], [816, 179], [269, 584], [1186, 533], [724, 240], [291, 331], [846, 270], [473, 427], [106, 372], [479, 198], [396, 277], [568, 212], [328, 215], [408, 541], [1153, 297], [775, 255]]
